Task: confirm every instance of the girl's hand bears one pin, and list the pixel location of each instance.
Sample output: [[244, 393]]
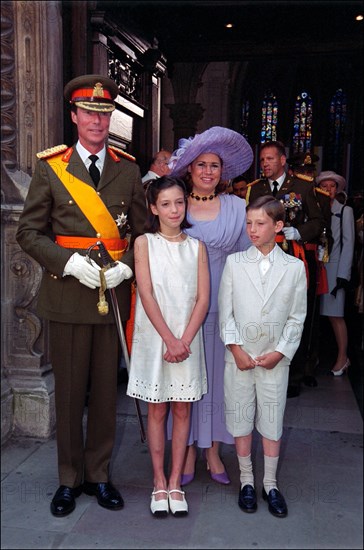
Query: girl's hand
[[177, 351]]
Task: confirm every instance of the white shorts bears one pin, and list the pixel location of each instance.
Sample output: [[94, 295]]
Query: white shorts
[[255, 397]]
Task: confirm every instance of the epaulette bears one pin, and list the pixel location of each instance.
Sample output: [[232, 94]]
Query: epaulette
[[119, 152], [322, 191], [47, 153], [248, 189], [305, 177], [254, 182]]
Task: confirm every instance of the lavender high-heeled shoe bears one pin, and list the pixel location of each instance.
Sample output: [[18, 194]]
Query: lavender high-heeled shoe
[[187, 478], [222, 478]]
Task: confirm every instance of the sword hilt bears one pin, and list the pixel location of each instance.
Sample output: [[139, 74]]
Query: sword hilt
[[106, 259]]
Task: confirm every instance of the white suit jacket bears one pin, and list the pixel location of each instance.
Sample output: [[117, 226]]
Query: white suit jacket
[[257, 322]]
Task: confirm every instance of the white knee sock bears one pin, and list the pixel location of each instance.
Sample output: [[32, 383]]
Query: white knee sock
[[270, 472], [246, 470]]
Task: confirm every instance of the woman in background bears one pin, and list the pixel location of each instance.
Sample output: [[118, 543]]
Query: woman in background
[[339, 266]]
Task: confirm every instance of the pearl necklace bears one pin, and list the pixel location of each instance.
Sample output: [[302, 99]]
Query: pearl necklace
[[170, 236], [204, 198]]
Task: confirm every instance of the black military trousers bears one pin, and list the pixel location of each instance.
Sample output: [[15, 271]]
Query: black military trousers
[[81, 353]]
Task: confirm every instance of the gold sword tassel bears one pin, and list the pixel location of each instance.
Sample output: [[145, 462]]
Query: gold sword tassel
[[102, 305]]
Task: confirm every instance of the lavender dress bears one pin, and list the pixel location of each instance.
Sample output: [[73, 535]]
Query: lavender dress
[[222, 236]]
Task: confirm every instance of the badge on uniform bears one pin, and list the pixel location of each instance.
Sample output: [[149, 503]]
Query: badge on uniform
[[121, 220], [292, 203]]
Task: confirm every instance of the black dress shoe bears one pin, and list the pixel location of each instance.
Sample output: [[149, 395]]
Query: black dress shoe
[[276, 503], [247, 499], [293, 391], [63, 502], [310, 381], [106, 494]]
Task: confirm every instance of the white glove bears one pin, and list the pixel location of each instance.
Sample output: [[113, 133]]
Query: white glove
[[115, 275], [291, 234], [86, 271]]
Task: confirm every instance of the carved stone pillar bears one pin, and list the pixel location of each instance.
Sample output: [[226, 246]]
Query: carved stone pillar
[[185, 117], [185, 112], [25, 354], [31, 120]]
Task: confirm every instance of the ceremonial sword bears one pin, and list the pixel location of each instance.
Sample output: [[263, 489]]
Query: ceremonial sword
[[107, 262]]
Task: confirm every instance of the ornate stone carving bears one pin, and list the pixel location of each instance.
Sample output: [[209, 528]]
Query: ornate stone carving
[[8, 113], [125, 76]]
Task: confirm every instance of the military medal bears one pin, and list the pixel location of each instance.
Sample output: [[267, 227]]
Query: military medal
[[121, 220]]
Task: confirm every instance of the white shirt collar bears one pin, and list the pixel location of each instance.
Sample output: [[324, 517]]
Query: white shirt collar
[[279, 180], [265, 262], [84, 154]]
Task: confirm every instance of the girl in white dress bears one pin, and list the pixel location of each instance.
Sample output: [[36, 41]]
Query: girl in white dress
[[167, 362]]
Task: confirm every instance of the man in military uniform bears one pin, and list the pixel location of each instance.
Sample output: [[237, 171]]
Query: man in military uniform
[[304, 223], [86, 193], [302, 165]]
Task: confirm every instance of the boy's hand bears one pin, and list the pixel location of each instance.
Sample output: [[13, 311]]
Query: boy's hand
[[269, 360], [242, 359]]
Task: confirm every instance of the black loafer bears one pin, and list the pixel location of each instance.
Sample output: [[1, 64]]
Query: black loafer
[[106, 494], [247, 499], [310, 381], [276, 503], [293, 391], [63, 502]]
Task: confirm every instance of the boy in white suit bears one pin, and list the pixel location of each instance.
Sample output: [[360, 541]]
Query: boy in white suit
[[262, 308]]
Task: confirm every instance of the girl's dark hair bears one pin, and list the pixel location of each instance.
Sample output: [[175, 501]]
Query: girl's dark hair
[[271, 206], [155, 187]]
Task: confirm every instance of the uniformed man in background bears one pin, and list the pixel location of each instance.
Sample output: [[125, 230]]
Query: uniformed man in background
[[303, 165]]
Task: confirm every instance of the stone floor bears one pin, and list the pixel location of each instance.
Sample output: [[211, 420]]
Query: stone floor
[[320, 474]]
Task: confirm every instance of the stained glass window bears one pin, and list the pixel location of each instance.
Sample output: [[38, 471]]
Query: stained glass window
[[337, 123], [302, 124], [269, 118]]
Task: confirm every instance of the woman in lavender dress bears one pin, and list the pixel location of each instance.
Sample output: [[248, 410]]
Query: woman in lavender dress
[[205, 161]]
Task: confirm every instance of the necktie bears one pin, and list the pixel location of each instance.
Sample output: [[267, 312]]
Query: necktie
[[275, 188], [94, 171]]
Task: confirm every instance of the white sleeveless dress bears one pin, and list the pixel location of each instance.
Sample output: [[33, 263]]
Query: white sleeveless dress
[[173, 269]]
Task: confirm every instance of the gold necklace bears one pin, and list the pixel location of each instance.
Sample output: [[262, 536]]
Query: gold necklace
[[204, 197], [170, 236]]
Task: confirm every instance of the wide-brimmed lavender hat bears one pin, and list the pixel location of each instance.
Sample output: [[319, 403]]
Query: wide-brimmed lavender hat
[[233, 149], [329, 175]]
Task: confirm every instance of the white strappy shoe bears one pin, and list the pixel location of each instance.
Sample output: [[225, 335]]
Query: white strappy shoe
[[341, 371], [160, 507], [177, 507]]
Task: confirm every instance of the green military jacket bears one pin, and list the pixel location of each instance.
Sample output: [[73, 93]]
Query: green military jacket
[[50, 210], [309, 219]]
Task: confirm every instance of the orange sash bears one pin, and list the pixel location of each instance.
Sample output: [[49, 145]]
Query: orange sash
[[322, 285], [90, 204]]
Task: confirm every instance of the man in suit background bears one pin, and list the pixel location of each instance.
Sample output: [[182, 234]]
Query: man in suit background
[[77, 196], [158, 166]]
